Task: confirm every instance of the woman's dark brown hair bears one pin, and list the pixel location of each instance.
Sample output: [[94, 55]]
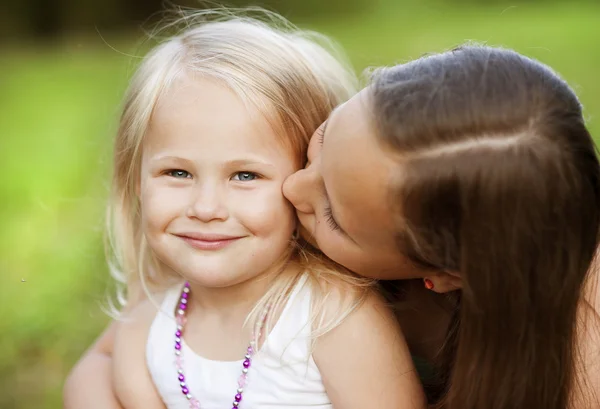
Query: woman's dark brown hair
[[497, 180]]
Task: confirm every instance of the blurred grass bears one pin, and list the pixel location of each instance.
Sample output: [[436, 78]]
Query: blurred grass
[[58, 106]]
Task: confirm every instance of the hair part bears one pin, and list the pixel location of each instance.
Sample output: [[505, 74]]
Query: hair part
[[498, 180]]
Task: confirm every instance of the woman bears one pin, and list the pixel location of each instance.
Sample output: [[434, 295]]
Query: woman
[[471, 169]]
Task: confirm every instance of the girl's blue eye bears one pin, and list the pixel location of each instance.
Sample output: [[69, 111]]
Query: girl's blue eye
[[245, 176], [179, 174]]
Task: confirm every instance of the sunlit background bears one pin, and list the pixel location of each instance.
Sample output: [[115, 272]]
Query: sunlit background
[[63, 69]]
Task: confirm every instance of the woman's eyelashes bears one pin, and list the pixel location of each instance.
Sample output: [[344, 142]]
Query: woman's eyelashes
[[330, 220], [321, 133]]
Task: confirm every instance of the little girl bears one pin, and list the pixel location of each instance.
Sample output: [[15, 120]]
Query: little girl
[[214, 121]]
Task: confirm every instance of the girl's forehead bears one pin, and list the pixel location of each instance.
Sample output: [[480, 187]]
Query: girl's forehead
[[203, 119]]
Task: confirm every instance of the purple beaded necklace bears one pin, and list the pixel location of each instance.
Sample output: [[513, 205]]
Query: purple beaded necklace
[[243, 379]]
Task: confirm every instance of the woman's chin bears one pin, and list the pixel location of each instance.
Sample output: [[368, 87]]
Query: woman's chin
[[308, 237]]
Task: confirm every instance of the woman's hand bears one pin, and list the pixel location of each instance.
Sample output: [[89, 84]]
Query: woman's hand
[[89, 385]]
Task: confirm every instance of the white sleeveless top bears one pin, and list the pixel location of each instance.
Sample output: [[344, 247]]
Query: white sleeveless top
[[283, 373]]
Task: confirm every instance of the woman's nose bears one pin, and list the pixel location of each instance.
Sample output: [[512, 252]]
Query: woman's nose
[[300, 189]]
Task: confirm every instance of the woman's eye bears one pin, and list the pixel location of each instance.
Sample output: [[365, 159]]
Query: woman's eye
[[321, 134], [330, 220], [179, 174], [245, 176]]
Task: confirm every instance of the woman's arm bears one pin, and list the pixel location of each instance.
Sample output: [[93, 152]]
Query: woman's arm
[[89, 385], [365, 362], [131, 380]]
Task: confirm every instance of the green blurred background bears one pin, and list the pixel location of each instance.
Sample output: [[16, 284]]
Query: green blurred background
[[63, 69]]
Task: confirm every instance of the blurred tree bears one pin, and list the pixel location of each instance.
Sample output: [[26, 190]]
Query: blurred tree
[[294, 9], [48, 19], [137, 11]]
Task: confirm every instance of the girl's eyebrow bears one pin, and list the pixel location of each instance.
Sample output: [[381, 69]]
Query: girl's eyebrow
[[170, 159], [250, 162]]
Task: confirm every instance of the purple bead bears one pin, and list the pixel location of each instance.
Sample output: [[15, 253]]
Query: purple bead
[[177, 346], [250, 350], [246, 363], [185, 390], [178, 334], [182, 306], [238, 397], [185, 295], [181, 378]]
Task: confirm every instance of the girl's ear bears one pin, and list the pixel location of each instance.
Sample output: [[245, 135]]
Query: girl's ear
[[443, 282]]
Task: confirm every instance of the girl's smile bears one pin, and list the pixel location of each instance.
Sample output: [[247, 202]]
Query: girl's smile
[[208, 242], [210, 186]]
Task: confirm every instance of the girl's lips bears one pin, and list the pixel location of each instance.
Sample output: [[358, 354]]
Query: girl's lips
[[208, 242]]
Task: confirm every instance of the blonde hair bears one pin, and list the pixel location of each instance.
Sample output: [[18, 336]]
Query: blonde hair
[[295, 78]]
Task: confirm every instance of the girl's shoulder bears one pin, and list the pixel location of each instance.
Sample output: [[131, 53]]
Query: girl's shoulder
[[337, 292], [337, 297], [350, 302], [133, 326], [144, 311], [363, 351]]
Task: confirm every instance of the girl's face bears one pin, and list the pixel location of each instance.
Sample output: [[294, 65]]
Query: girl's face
[[210, 186], [342, 197]]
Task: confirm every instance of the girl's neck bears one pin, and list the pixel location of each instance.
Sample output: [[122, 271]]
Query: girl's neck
[[216, 317], [235, 299], [231, 300]]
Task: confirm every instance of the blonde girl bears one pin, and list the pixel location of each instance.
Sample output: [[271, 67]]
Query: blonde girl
[[214, 121]]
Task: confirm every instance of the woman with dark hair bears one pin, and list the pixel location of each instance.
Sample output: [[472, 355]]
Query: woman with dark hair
[[472, 170]]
